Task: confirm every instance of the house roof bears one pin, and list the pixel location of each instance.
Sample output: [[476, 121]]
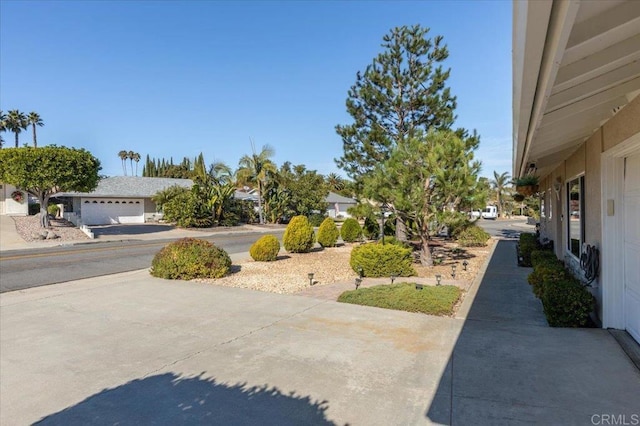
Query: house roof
[[130, 186], [248, 196], [575, 65], [337, 198]]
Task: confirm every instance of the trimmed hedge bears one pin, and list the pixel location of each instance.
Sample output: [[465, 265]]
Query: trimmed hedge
[[543, 257], [545, 275], [350, 231], [526, 246], [473, 236], [190, 258], [382, 260], [567, 303], [299, 236], [328, 233], [265, 249]]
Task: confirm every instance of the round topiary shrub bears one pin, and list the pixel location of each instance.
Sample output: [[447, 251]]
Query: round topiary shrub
[[328, 233], [382, 260], [265, 249], [190, 258], [299, 236], [351, 230], [567, 303], [473, 236]]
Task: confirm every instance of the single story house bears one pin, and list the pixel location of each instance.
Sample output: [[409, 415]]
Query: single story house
[[9, 205], [338, 205], [576, 125], [120, 199]]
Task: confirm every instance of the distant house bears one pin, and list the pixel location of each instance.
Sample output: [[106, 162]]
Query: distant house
[[338, 205], [9, 206], [120, 199]]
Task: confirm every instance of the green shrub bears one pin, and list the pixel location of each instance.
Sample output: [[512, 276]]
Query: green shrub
[[316, 219], [299, 236], [265, 249], [186, 210], [543, 257], [378, 260], [473, 236], [190, 258], [351, 230], [526, 246], [431, 300], [371, 229], [395, 241], [328, 233], [53, 209], [545, 275], [390, 226], [567, 303], [456, 222]]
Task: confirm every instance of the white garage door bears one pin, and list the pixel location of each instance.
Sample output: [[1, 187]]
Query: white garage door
[[106, 211], [632, 245]]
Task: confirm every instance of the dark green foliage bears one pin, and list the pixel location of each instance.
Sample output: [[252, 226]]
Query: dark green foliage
[[390, 226], [34, 209], [430, 300], [455, 222], [567, 303], [316, 219], [361, 210], [473, 236], [299, 236], [265, 249], [382, 260], [350, 231], [526, 246], [545, 275], [53, 209], [190, 258], [543, 257], [394, 241], [328, 233], [371, 229], [187, 210]]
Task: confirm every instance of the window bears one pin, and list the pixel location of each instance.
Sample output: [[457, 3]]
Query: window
[[575, 211], [543, 206]]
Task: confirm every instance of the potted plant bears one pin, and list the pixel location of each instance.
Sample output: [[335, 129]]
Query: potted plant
[[17, 196], [518, 197], [526, 185]]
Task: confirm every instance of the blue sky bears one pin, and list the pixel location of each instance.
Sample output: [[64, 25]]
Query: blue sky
[[172, 79]]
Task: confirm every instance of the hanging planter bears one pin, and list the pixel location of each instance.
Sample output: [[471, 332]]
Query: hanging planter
[[518, 197], [526, 185]]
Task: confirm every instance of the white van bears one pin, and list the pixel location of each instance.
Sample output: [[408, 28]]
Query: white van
[[490, 212]]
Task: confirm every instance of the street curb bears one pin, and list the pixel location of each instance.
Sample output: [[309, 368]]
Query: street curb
[[470, 296]]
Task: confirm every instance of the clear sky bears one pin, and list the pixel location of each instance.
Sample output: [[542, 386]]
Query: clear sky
[[173, 79]]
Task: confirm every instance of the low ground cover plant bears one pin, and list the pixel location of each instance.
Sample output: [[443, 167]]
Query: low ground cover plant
[[382, 260], [190, 258], [265, 249], [298, 236], [328, 233], [432, 300]]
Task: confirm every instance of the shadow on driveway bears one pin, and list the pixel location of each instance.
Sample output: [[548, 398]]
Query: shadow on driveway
[[134, 229], [172, 400]]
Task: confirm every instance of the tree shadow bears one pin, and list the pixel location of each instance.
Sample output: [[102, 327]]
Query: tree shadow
[[139, 229], [171, 399]]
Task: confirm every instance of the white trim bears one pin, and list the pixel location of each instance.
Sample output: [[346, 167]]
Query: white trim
[[613, 315], [567, 215]]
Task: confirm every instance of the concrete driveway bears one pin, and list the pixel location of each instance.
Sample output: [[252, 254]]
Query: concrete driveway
[[136, 350]]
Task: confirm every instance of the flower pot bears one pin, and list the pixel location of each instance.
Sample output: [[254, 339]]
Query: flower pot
[[518, 197]]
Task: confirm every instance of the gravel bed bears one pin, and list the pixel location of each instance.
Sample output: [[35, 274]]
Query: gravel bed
[[29, 229]]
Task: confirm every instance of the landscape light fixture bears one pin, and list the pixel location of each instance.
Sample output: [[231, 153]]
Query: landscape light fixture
[[310, 276], [360, 271], [393, 278], [419, 286], [438, 278], [453, 271], [358, 282], [464, 265]]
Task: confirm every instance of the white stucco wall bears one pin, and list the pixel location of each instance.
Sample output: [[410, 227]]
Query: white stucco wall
[[10, 207]]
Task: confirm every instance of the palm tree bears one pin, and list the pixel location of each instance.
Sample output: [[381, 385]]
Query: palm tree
[[130, 156], [499, 183], [34, 120], [136, 158], [123, 157], [3, 126], [335, 182], [16, 122], [254, 168]]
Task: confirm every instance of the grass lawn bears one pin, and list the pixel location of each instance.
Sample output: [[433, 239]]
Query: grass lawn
[[433, 300]]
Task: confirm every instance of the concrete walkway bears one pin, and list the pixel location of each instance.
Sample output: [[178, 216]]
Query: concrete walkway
[[132, 349]]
